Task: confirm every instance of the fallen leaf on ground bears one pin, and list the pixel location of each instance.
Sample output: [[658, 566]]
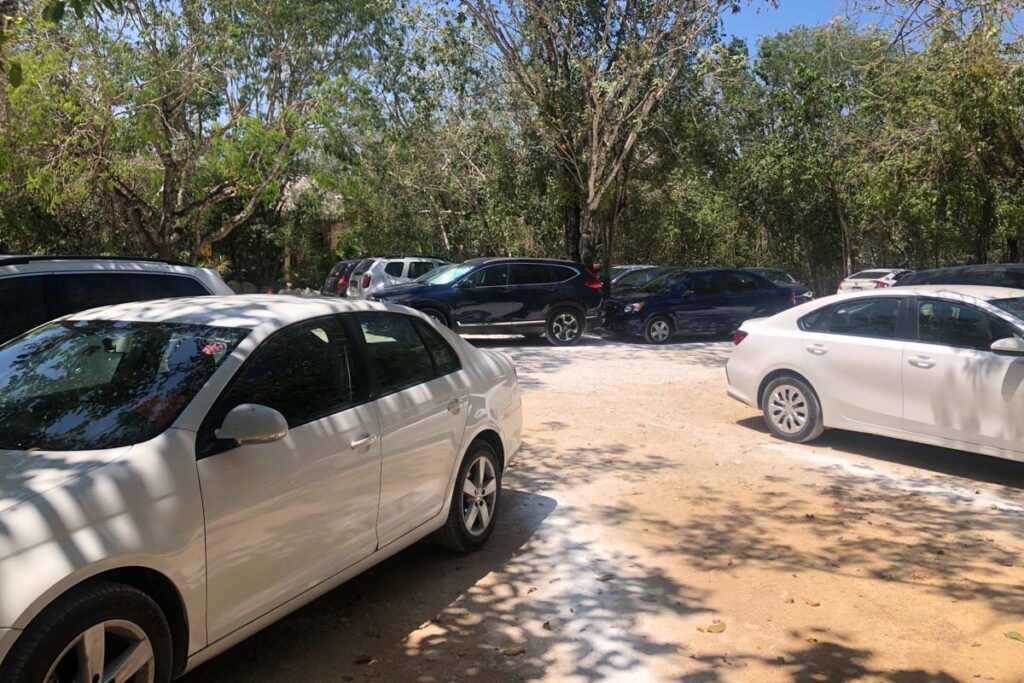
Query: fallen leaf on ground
[[811, 603], [513, 651], [811, 640], [366, 660], [686, 653], [605, 577], [547, 626], [716, 627], [1014, 635]]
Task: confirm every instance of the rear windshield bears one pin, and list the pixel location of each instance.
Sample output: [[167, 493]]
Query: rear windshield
[[82, 385], [870, 274], [1014, 306], [780, 277]]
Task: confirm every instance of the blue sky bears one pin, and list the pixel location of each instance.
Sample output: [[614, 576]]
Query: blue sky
[[758, 19]]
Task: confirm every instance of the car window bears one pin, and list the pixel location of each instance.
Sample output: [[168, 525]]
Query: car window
[[420, 268], [398, 355], [22, 305], [305, 372], [739, 283], [708, 283], [531, 274], [442, 354], [866, 318], [73, 292], [870, 275], [491, 276], [1014, 306], [91, 384], [394, 268], [951, 323]]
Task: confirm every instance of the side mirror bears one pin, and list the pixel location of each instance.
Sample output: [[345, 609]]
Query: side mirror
[[685, 293], [1011, 346], [250, 424], [465, 283]]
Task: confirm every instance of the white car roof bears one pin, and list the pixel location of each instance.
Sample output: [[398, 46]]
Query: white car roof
[[250, 311], [981, 292]]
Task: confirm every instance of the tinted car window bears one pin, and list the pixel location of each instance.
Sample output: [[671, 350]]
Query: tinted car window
[[441, 353], [21, 305], [491, 276], [305, 372], [79, 385], [739, 283], [866, 318], [420, 268], [394, 268], [708, 283], [1014, 306], [638, 277], [73, 292], [397, 353], [531, 274], [954, 324]]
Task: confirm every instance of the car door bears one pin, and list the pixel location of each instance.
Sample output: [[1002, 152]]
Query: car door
[[422, 396], [534, 287], [745, 298], [854, 356], [700, 306], [954, 386], [484, 298], [282, 517]]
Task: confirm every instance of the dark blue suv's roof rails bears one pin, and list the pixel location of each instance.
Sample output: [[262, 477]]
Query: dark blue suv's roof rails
[[22, 260]]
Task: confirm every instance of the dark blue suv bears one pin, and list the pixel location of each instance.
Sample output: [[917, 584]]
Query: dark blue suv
[[690, 301], [533, 297]]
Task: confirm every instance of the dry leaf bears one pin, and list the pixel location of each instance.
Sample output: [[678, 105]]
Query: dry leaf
[[513, 651], [811, 603], [1014, 635], [717, 627]]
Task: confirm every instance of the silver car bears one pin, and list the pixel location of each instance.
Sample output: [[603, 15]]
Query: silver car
[[374, 274]]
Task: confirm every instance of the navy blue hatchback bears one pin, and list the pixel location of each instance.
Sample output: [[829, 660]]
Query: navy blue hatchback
[[691, 301], [533, 297]]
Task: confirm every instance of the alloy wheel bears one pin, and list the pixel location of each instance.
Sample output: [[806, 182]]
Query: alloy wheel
[[659, 330], [479, 494], [788, 409], [115, 651], [565, 327]]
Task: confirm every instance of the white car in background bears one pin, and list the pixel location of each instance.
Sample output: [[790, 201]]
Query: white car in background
[[176, 475], [374, 274], [877, 278], [941, 365]]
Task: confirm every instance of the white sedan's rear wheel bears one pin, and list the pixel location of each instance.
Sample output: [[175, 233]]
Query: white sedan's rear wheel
[[475, 501], [791, 410]]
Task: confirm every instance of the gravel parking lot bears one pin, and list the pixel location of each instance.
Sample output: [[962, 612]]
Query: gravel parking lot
[[652, 530]]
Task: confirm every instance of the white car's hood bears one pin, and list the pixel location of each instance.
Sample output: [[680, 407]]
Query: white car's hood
[[25, 474]]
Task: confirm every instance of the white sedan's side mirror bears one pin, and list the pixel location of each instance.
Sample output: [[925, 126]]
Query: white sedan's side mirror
[[250, 423], [1011, 346]]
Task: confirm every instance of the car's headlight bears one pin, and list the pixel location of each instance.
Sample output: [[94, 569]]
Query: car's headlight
[[634, 308]]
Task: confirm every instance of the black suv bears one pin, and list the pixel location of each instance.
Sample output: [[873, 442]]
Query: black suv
[[991, 275], [532, 297]]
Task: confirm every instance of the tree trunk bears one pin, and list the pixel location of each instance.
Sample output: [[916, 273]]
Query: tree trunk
[[571, 215]]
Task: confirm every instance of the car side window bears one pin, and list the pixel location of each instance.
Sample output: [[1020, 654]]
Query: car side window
[[394, 268], [531, 274], [491, 276], [708, 283], [305, 372], [952, 323], [446, 361], [22, 303], [739, 283], [876, 318], [419, 268], [73, 292], [398, 356]]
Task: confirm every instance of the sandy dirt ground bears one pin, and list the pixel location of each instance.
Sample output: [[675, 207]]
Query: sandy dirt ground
[[652, 530]]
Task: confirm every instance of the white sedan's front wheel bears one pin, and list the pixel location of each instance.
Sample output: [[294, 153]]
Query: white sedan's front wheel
[[791, 410]]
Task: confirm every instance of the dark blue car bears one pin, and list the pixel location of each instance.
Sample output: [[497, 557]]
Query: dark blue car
[[533, 297], [692, 301]]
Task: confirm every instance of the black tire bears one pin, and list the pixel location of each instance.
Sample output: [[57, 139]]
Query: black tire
[[658, 330], [565, 327], [438, 316], [791, 410], [60, 624], [455, 534]]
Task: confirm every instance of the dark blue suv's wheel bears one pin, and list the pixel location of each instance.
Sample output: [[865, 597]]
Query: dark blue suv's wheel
[[565, 327], [657, 330]]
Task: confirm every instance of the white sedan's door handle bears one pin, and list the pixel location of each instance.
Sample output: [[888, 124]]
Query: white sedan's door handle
[[365, 441], [923, 362], [454, 405], [817, 349]]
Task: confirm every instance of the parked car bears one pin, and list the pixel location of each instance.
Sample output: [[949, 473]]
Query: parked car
[[930, 364], [534, 297], [337, 280], [372, 275], [801, 292], [878, 278], [989, 275], [619, 272], [34, 289], [701, 301], [177, 475], [638, 278]]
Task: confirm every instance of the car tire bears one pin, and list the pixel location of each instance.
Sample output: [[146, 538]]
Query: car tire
[[437, 316], [565, 327], [466, 530], [791, 410], [56, 640], [658, 330]]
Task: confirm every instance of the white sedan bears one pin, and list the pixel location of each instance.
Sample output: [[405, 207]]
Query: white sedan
[[878, 278], [939, 365], [176, 475]]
